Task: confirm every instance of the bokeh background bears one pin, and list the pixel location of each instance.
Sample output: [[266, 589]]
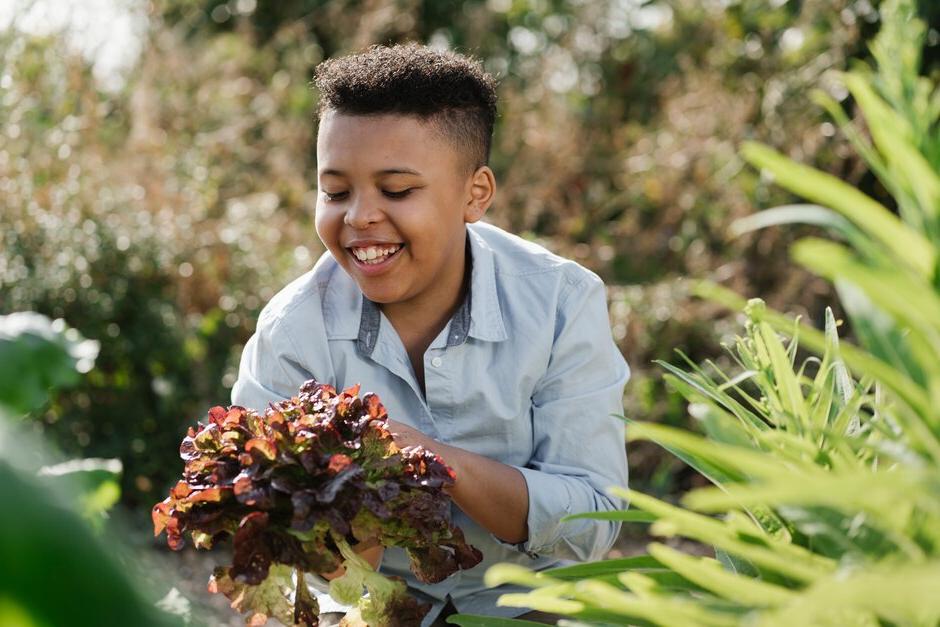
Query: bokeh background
[[157, 180]]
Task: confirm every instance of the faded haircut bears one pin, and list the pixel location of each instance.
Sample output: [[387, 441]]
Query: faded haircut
[[447, 89]]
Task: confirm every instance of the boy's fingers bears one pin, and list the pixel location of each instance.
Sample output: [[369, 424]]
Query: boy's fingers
[[405, 435]]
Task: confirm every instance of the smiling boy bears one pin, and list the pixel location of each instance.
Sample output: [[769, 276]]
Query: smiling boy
[[485, 348]]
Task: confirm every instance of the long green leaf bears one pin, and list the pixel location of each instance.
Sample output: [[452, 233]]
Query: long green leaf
[[858, 139], [710, 574], [499, 574], [878, 332], [859, 361], [894, 138], [738, 459], [709, 389], [786, 559], [541, 601], [621, 515], [711, 468], [798, 214], [661, 610], [870, 216], [786, 384], [603, 567], [721, 426]]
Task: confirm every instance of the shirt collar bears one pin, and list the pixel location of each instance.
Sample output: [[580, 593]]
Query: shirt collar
[[479, 316], [486, 316]]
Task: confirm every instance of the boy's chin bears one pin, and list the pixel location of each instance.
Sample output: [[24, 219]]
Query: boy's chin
[[382, 290], [379, 296]]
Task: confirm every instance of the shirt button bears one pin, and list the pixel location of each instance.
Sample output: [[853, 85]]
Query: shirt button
[[436, 362]]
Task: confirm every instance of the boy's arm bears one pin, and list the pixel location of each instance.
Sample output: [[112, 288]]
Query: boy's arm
[[578, 444], [579, 448]]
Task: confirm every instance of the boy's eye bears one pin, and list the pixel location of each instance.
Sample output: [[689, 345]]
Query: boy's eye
[[334, 195], [400, 194]]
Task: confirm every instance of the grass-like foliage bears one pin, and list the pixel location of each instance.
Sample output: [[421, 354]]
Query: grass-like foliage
[[825, 508], [295, 487]]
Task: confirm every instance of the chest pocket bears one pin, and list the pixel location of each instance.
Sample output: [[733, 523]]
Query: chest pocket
[[494, 420]]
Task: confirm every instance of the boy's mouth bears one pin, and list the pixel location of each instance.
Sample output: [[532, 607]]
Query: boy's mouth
[[374, 255]]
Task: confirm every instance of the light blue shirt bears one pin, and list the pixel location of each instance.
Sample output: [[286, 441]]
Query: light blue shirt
[[526, 372]]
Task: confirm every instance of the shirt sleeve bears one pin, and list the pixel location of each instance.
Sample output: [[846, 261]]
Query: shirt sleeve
[[579, 448], [269, 369]]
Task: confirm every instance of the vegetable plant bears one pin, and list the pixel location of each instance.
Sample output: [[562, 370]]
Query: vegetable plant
[[295, 489]]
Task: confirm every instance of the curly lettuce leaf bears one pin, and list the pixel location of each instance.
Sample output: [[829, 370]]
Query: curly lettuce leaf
[[292, 486], [388, 603], [276, 596]]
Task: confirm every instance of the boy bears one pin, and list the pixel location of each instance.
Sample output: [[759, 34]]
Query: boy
[[485, 348]]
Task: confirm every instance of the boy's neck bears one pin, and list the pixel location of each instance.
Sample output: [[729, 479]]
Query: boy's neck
[[418, 324]]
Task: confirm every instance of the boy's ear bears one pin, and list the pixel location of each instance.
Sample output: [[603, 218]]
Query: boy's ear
[[482, 190]]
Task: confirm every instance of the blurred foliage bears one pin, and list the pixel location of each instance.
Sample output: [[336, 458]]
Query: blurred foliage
[[37, 357], [160, 217], [56, 570], [140, 218], [27, 339]]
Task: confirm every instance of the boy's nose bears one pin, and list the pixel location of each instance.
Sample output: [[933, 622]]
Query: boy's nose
[[362, 214]]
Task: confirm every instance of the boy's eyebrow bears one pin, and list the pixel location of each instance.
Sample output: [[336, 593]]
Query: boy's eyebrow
[[382, 172]]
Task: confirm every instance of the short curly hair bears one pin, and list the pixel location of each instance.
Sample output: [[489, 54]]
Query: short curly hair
[[446, 88]]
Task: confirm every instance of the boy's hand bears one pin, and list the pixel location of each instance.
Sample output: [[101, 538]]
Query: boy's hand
[[406, 436], [409, 436]]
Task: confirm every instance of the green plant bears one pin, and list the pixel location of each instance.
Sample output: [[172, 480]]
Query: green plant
[[38, 355], [56, 569], [825, 508]]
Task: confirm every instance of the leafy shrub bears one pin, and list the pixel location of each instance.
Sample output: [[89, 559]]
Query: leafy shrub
[[138, 216], [825, 471]]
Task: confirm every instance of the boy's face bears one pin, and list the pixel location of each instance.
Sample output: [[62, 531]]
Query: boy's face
[[392, 204]]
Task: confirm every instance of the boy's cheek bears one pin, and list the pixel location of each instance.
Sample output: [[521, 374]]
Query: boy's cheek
[[327, 234]]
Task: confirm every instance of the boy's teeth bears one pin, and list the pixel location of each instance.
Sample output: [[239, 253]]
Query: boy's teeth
[[374, 254]]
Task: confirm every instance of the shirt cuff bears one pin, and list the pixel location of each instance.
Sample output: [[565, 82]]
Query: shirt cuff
[[548, 503]]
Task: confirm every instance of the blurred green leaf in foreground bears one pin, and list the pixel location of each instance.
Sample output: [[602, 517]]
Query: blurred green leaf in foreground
[[36, 356], [56, 572]]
